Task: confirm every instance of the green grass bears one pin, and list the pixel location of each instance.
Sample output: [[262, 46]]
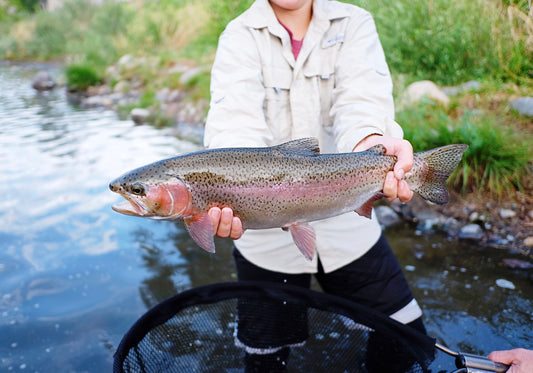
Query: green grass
[[452, 41], [498, 158], [81, 77]]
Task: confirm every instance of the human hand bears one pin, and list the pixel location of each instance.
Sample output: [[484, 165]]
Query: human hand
[[520, 359], [394, 186], [225, 224]]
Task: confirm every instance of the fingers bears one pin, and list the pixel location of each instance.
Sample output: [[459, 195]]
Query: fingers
[[394, 185], [392, 188], [215, 213], [505, 357], [518, 356], [403, 150], [405, 194], [225, 224], [236, 229]]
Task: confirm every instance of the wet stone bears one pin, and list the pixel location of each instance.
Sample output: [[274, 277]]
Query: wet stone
[[507, 214], [387, 216], [139, 115], [42, 81], [471, 232]]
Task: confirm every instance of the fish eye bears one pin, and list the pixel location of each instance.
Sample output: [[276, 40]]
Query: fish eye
[[137, 189]]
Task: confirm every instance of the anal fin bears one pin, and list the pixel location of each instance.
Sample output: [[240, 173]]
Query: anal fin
[[366, 208], [304, 238]]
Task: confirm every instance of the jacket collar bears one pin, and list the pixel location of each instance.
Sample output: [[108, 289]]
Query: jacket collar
[[261, 15]]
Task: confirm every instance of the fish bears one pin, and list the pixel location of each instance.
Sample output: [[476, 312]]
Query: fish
[[284, 186]]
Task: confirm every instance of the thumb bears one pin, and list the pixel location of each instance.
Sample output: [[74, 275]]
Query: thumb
[[403, 150]]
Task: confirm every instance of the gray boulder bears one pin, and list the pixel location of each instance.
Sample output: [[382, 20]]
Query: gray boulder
[[524, 106], [43, 81]]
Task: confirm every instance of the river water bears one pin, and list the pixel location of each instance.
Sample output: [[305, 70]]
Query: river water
[[75, 275]]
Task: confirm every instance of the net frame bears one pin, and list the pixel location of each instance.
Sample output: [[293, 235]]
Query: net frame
[[419, 346]]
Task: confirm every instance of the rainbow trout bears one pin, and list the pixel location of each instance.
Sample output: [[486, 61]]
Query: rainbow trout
[[283, 186]]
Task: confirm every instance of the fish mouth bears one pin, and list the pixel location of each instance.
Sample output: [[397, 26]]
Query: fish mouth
[[131, 207]]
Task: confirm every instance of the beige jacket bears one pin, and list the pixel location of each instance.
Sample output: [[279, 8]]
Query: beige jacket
[[339, 90]]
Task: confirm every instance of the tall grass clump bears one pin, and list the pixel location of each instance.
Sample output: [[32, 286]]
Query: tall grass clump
[[452, 41], [497, 160], [80, 77]]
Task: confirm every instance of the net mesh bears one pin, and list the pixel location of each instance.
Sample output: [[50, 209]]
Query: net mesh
[[259, 327]]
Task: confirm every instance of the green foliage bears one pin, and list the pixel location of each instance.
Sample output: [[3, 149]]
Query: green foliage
[[452, 41], [26, 5], [147, 99], [80, 77], [497, 159], [222, 12], [50, 37]]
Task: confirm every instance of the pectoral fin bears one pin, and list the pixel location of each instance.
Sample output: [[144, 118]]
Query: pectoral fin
[[304, 237], [200, 228]]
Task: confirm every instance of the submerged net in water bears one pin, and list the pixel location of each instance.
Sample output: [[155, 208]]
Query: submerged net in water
[[264, 327]]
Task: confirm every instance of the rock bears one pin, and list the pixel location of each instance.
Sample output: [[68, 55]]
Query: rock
[[171, 109], [174, 96], [162, 94], [524, 106], [139, 116], [43, 81], [127, 61], [471, 232], [188, 75], [121, 87], [96, 101], [507, 214], [465, 87], [430, 224], [506, 284], [425, 88], [516, 263], [387, 216]]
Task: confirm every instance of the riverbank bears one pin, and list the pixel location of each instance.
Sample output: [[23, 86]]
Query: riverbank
[[483, 219]]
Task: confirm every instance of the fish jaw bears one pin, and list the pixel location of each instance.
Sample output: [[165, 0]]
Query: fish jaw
[[131, 207], [166, 201]]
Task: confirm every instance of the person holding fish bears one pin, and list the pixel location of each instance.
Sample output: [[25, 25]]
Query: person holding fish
[[289, 69], [300, 134]]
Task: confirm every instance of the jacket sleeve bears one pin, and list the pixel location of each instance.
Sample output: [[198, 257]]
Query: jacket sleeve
[[362, 98], [236, 116]]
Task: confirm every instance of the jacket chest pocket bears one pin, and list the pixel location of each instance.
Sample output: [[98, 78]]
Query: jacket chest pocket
[[276, 106], [321, 82]]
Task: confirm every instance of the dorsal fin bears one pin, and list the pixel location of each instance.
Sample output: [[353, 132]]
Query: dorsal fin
[[377, 149], [307, 146]]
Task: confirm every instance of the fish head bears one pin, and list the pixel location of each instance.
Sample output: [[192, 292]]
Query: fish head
[[151, 193]]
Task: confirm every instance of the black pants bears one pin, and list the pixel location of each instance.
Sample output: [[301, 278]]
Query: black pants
[[374, 280]]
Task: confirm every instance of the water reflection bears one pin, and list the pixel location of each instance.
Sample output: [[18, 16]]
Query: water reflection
[[70, 268]]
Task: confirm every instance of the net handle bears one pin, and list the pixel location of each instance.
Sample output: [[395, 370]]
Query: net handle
[[473, 363]]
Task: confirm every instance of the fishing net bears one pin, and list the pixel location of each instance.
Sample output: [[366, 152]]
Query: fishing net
[[264, 327]]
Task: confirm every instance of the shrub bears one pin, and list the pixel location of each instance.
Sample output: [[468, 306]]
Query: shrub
[[497, 160], [80, 77], [451, 41]]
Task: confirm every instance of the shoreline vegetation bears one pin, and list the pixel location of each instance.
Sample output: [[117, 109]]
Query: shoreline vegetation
[[151, 60]]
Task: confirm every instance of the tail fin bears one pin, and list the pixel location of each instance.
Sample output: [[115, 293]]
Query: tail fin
[[441, 162]]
